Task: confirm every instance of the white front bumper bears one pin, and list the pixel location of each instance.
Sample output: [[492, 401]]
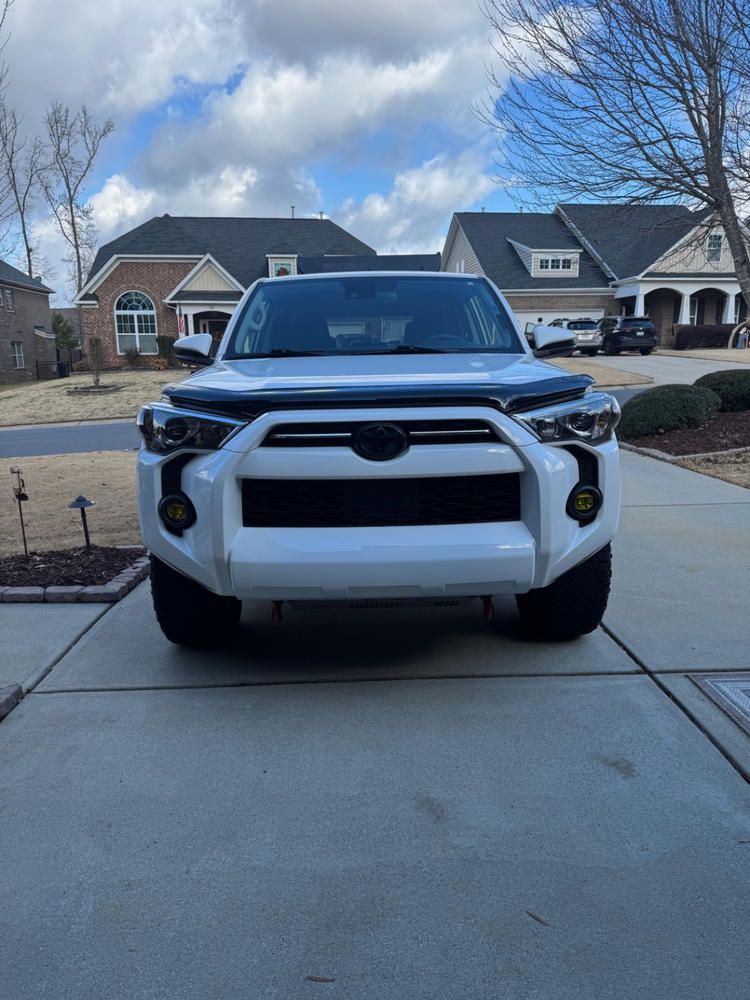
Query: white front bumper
[[317, 563]]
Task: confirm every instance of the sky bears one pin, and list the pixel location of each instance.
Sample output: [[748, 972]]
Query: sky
[[245, 107]]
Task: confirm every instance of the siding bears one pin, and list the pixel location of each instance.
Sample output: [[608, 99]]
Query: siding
[[461, 249], [208, 279]]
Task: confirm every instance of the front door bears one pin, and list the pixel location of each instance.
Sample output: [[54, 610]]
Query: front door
[[215, 327]]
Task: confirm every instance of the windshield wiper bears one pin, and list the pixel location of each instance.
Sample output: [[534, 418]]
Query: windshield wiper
[[414, 349], [287, 352]]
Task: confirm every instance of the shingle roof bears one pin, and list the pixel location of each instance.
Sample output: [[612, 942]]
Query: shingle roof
[[12, 276], [629, 238], [239, 245], [384, 262], [488, 233]]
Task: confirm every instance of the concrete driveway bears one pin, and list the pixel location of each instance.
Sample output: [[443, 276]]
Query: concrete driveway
[[394, 804], [665, 369]]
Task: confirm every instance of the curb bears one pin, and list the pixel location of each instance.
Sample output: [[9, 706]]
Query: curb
[[9, 698], [102, 593], [664, 456]]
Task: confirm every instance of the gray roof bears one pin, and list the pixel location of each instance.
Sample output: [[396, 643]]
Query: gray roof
[[488, 233], [209, 296], [12, 276], [384, 262], [629, 238], [239, 245]]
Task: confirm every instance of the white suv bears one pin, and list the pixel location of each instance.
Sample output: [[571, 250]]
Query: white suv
[[370, 437], [585, 332]]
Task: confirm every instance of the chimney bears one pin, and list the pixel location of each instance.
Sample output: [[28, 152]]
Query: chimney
[[292, 208]]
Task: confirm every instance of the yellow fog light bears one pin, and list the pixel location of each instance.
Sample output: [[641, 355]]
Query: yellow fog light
[[176, 512], [583, 503]]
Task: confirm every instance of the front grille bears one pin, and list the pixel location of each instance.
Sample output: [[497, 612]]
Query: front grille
[[358, 503], [325, 434]]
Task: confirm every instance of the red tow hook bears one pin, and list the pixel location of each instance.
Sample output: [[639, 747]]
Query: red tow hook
[[276, 612], [488, 608]]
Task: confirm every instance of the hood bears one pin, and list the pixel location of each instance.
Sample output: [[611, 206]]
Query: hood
[[256, 385]]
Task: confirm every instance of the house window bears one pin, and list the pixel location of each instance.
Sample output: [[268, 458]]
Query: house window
[[9, 300], [16, 353], [135, 323], [713, 251], [544, 263], [554, 263], [461, 265], [567, 264], [280, 267]]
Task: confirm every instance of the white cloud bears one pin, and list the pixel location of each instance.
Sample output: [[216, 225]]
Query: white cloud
[[412, 216]]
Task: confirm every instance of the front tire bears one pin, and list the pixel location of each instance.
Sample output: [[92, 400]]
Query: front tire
[[188, 614], [609, 348], [646, 350], [592, 353], [571, 606]]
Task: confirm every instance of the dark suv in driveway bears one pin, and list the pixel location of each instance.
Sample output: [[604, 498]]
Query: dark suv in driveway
[[627, 333]]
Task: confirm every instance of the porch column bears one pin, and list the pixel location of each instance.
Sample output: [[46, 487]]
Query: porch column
[[189, 324], [727, 313], [640, 304], [684, 318]]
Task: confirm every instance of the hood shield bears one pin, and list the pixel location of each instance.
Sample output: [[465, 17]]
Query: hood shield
[[509, 398]]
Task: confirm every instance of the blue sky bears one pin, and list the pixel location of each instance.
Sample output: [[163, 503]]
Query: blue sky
[[244, 107]]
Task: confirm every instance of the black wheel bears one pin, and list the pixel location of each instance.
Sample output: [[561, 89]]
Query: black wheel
[[609, 347], [573, 604], [592, 353], [190, 615], [646, 350]]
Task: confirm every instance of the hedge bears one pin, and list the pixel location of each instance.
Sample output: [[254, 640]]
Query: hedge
[[732, 387], [693, 337], [667, 408]]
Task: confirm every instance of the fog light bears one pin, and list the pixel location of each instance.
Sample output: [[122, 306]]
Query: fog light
[[176, 512], [583, 503]]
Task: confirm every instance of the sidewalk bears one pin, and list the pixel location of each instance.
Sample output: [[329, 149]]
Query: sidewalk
[[411, 804]]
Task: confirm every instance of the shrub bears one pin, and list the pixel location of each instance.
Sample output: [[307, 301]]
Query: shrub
[[160, 364], [84, 365], [165, 347], [732, 387], [667, 408], [693, 337], [131, 356]]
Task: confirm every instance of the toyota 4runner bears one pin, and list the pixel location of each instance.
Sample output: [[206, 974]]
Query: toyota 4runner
[[378, 437]]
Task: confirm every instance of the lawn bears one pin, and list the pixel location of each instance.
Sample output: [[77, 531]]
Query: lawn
[[50, 402]]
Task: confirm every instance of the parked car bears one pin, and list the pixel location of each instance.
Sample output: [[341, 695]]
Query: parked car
[[627, 333], [378, 437], [585, 332]]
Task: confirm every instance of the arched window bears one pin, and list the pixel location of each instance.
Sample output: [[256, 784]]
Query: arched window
[[135, 323]]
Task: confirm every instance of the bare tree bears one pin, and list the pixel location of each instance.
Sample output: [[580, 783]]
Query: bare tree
[[626, 100], [74, 141], [21, 160]]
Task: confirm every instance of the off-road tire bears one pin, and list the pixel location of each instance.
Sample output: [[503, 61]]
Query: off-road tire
[[609, 348], [592, 353], [188, 614], [571, 606], [646, 350]]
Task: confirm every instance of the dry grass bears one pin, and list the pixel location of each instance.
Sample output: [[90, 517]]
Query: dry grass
[[733, 468], [603, 374], [49, 402], [52, 481]]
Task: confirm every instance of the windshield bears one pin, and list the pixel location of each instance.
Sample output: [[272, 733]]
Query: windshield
[[366, 314]]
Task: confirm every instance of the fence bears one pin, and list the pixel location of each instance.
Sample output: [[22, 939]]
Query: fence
[[52, 369]]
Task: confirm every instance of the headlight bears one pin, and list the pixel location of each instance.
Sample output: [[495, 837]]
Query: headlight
[[592, 419], [165, 428]]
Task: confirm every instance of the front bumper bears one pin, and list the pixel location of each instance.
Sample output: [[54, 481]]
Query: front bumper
[[324, 563]]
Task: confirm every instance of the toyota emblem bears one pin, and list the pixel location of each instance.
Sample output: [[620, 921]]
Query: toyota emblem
[[380, 442]]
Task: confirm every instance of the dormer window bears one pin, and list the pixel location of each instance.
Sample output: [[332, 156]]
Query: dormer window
[[281, 267], [714, 247], [554, 263]]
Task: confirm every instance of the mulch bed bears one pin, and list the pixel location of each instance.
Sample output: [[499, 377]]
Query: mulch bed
[[720, 433], [67, 567]]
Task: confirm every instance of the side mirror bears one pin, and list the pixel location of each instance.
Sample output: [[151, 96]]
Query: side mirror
[[195, 350], [553, 342]]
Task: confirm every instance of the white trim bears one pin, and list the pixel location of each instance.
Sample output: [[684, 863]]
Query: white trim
[[556, 291], [206, 259], [136, 333], [282, 258], [186, 303], [124, 258]]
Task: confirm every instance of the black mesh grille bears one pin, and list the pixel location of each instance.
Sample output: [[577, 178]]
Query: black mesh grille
[[356, 503]]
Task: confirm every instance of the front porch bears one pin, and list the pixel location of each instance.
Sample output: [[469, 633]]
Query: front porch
[[682, 303]]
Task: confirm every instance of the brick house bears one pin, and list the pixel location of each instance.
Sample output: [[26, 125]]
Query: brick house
[[184, 275], [661, 261], [27, 344]]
